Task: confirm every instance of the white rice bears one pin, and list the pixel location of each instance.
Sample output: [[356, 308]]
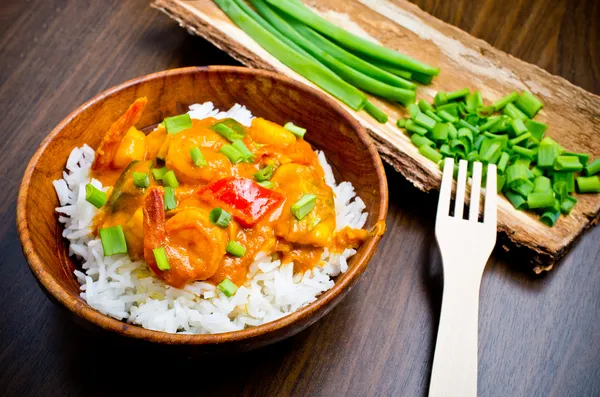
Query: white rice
[[127, 290]]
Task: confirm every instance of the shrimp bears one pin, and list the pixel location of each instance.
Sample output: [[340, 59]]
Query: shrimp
[[111, 141], [194, 246]]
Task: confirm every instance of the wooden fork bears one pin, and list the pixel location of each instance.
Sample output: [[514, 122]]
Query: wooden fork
[[465, 246]]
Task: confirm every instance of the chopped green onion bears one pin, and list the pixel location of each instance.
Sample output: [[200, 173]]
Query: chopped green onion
[[294, 129], [227, 287], [420, 140], [542, 184], [179, 123], [265, 173], [376, 113], [451, 108], [266, 184], [520, 138], [169, 179], [540, 199], [547, 154], [158, 173], [491, 122], [303, 206], [440, 132], [234, 155], [452, 131], [516, 200], [567, 177], [197, 157], [220, 217], [529, 104], [95, 196], [411, 126], [401, 123], [484, 112], [140, 179], [474, 101], [113, 240], [447, 116], [465, 124], [523, 187], [227, 132], [567, 204], [536, 171], [162, 262], [536, 128], [568, 163], [528, 153], [588, 184], [514, 112], [515, 172], [433, 115], [583, 157], [170, 202], [430, 153], [413, 110], [549, 218], [248, 156], [593, 168], [425, 121], [502, 162], [425, 106], [446, 151], [502, 102], [234, 248], [518, 127]]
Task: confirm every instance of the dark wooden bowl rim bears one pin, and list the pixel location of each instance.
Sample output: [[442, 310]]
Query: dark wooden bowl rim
[[86, 312]]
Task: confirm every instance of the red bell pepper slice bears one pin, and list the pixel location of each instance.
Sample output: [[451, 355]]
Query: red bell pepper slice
[[246, 200]]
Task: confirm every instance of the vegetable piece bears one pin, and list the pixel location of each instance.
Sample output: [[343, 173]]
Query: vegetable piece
[[170, 202], [220, 217], [514, 173], [540, 199], [113, 240], [529, 104], [465, 124], [524, 152], [413, 110], [425, 106], [227, 132], [234, 155], [425, 121], [536, 171], [514, 112], [197, 157], [593, 168], [162, 262], [567, 177], [430, 153], [523, 187], [568, 163], [547, 154], [140, 179], [474, 101], [502, 102], [297, 10], [401, 123], [491, 122], [588, 184], [583, 157], [292, 55], [567, 204], [447, 116], [518, 127], [244, 199], [169, 179], [516, 200], [549, 218], [440, 132], [176, 124], [267, 184], [519, 139], [502, 162], [236, 249], [434, 116], [536, 128], [158, 173], [413, 127], [227, 287], [247, 155], [95, 196], [303, 206], [542, 184], [294, 129], [265, 173], [420, 140], [376, 113]]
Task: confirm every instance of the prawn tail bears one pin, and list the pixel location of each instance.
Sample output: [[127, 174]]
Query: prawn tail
[[154, 225], [110, 143]]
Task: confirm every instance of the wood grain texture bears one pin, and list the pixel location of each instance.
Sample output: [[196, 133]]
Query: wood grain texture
[[538, 336], [571, 112]]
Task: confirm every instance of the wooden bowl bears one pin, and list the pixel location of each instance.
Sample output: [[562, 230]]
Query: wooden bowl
[[272, 96]]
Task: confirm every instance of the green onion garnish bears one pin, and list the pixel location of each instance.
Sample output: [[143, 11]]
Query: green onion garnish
[[516, 200], [247, 155], [567, 204], [502, 102], [197, 157], [294, 129], [170, 202], [420, 140], [267, 184], [234, 155], [113, 240], [425, 121], [588, 184], [162, 262], [169, 179], [536, 128], [593, 168], [227, 132], [547, 154], [568, 163], [540, 199], [234, 248], [303, 206], [549, 218], [220, 217], [583, 157], [95, 196], [430, 153], [265, 173], [411, 126], [158, 173], [179, 123], [529, 104], [227, 287], [375, 112], [141, 179]]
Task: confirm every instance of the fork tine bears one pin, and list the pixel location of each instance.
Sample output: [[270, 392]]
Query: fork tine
[[475, 192], [446, 189], [461, 183], [491, 194]]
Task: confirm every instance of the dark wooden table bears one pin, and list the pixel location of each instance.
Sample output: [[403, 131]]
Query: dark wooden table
[[539, 336]]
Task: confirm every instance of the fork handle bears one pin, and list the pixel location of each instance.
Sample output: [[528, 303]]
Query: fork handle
[[454, 372]]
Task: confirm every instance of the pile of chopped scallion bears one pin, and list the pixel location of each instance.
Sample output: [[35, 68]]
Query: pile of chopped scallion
[[534, 172], [338, 61]]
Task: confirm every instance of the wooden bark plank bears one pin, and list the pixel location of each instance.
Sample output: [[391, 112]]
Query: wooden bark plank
[[572, 113]]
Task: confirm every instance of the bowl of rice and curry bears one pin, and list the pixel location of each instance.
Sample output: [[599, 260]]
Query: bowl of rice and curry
[[199, 206]]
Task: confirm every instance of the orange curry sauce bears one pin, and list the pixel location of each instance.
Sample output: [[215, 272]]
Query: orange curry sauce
[[195, 246]]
